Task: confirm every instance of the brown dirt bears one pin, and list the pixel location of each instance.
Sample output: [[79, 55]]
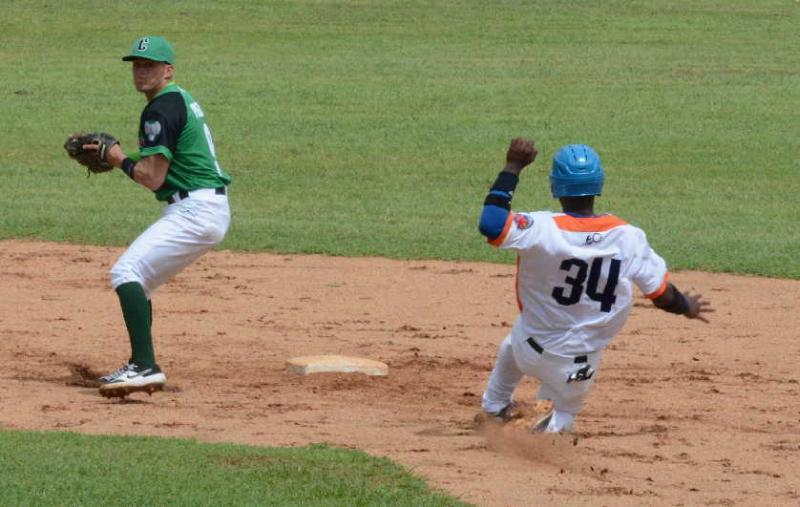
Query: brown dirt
[[682, 413]]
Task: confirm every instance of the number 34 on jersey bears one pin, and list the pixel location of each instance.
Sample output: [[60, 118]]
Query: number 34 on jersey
[[583, 277]]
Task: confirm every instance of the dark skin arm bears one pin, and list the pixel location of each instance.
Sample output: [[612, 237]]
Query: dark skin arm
[[697, 306]]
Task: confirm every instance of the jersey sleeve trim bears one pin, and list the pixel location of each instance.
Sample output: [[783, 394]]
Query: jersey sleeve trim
[[661, 288], [506, 228], [588, 224], [156, 150]]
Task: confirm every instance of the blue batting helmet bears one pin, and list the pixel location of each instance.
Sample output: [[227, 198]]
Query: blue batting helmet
[[577, 171]]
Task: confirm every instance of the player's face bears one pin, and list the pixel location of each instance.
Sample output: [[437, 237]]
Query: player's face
[[150, 76]]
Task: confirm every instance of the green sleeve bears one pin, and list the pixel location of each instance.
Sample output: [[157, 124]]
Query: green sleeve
[[156, 150]]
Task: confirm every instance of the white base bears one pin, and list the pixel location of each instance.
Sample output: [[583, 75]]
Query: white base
[[306, 365]]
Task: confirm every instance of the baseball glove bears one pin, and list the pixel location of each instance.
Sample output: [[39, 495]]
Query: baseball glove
[[93, 160]]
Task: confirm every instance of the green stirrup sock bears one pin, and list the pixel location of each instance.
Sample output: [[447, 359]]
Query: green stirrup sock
[[137, 311]]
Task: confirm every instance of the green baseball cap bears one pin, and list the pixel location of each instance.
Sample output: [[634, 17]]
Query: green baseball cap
[[152, 47]]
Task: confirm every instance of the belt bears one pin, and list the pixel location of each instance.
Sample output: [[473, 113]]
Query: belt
[[538, 348], [184, 194]]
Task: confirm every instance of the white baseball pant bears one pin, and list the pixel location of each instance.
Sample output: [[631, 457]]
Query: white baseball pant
[[185, 231], [517, 358]]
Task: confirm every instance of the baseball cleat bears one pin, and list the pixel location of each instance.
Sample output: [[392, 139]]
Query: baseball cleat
[[121, 392], [132, 378], [113, 375], [508, 413], [520, 414], [545, 410]]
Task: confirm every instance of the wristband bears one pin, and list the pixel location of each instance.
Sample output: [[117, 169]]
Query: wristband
[[506, 182], [127, 167]]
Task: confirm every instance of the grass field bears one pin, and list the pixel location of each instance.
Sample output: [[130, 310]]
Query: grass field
[[375, 128], [71, 469]]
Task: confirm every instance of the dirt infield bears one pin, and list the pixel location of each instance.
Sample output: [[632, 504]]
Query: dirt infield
[[682, 413]]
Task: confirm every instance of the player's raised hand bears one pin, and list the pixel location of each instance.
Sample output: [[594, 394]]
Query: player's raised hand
[[520, 153], [697, 307]]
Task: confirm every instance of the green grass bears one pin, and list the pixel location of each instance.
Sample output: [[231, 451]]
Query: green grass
[[375, 127], [71, 469]]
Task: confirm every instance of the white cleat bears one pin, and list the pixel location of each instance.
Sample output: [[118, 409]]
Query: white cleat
[[132, 378]]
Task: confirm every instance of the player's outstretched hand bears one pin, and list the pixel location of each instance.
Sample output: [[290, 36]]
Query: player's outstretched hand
[[697, 307], [520, 153]]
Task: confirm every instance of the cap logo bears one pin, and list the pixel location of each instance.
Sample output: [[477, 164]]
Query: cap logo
[[144, 42]]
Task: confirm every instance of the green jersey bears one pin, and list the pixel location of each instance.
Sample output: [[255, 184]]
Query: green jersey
[[173, 125]]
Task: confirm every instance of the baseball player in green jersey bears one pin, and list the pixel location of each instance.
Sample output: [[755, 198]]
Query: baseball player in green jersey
[[177, 161]]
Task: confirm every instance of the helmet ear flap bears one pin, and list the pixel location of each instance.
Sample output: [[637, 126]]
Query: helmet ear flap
[[576, 172]]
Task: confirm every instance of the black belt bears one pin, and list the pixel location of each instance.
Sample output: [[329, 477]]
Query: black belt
[[538, 348], [183, 194]]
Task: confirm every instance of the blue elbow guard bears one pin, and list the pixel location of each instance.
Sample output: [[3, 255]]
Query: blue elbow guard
[[493, 219], [497, 205]]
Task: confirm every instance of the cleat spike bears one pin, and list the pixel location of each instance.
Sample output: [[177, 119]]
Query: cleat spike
[[132, 378]]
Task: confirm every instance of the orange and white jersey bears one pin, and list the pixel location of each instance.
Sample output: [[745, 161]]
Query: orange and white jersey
[[575, 275]]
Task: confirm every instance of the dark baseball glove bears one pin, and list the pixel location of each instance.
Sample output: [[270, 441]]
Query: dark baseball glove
[[93, 160]]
